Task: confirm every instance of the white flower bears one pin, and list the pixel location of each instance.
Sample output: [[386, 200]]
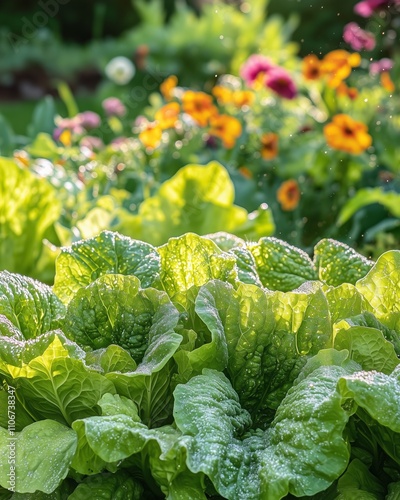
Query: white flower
[[120, 70]]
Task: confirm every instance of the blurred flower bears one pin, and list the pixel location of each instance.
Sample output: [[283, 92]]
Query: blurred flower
[[311, 67], [367, 7], [387, 82], [343, 90], [358, 38], [73, 124], [346, 134], [243, 98], [167, 116], [150, 137], [338, 64], [114, 107], [269, 146], [247, 173], [288, 195], [22, 157], [91, 142], [222, 94], [279, 80], [120, 70], [199, 106], [255, 66], [227, 128], [89, 119], [65, 138], [167, 87], [380, 66]]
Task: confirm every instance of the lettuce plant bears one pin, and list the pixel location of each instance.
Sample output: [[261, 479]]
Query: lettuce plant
[[208, 367]]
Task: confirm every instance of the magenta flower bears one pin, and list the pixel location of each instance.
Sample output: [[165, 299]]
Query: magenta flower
[[255, 66], [281, 82], [113, 107], [380, 66], [89, 119], [367, 7], [358, 38]]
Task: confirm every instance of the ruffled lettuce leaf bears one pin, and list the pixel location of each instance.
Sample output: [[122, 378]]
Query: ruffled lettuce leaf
[[119, 486], [43, 454], [262, 338], [108, 253], [338, 263], [192, 261], [51, 378], [281, 266], [29, 305]]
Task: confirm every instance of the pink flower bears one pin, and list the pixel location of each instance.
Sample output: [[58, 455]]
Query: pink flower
[[91, 142], [367, 7], [89, 119], [113, 107], [254, 67], [358, 38], [281, 82], [380, 66]]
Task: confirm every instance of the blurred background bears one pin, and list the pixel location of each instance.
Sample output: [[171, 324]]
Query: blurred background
[[48, 41]]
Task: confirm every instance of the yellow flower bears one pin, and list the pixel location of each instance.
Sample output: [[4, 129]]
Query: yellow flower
[[311, 67], [167, 116], [345, 134], [227, 128], [66, 138], [167, 87], [222, 94], [150, 137], [387, 82], [199, 106], [242, 98], [338, 64], [288, 195], [269, 146]]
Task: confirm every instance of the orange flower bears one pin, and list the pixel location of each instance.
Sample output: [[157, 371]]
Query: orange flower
[[338, 64], [167, 87], [387, 82], [247, 173], [151, 135], [311, 67], [227, 128], [269, 146], [199, 106], [222, 94], [343, 90], [346, 134], [288, 195], [167, 116], [243, 98]]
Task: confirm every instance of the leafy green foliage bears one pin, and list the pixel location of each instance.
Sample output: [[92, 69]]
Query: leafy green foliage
[[211, 373]]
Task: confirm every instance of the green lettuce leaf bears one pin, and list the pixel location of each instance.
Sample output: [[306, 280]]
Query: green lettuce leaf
[[393, 491], [281, 266], [269, 337], [109, 253], [381, 288], [51, 378], [344, 301], [198, 199], [338, 263], [44, 451], [191, 261], [119, 486], [29, 305], [28, 207], [302, 452]]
